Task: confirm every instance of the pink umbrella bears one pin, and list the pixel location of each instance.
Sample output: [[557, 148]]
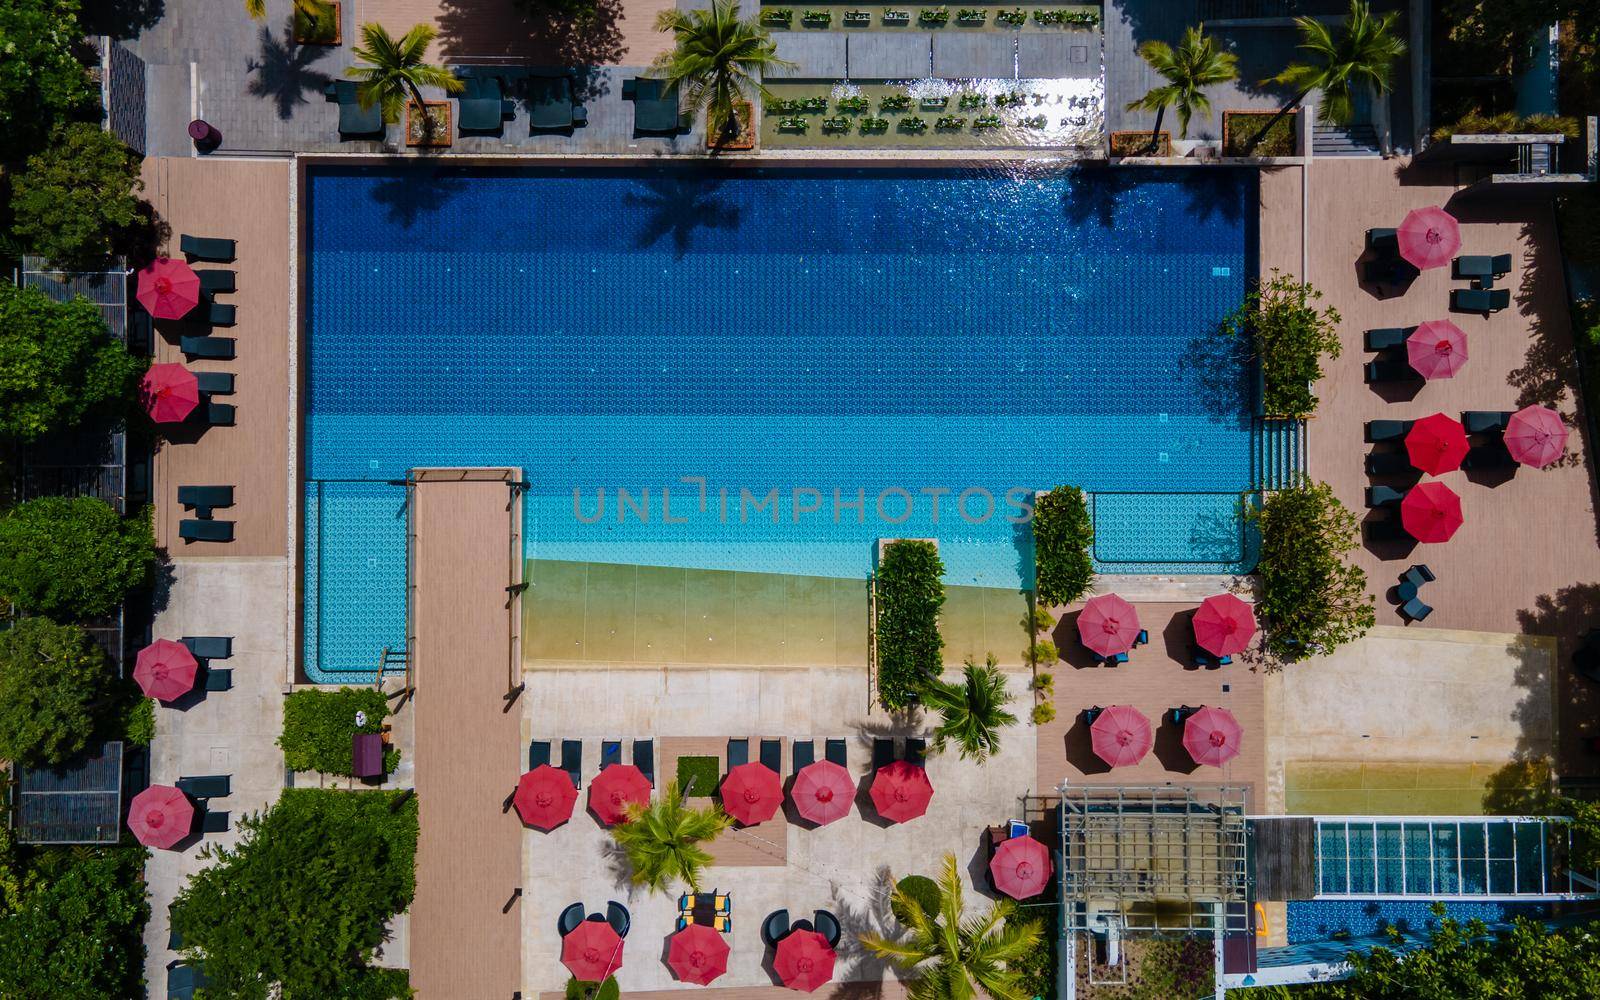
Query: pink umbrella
[[165, 670], [822, 792], [804, 960], [544, 797], [160, 816], [1436, 444], [1431, 512], [1536, 436], [1120, 735], [1108, 625], [168, 288], [618, 787], [1021, 867], [1429, 237], [1437, 349], [901, 791], [752, 793], [169, 393], [592, 951], [697, 954], [1224, 625], [1211, 736]]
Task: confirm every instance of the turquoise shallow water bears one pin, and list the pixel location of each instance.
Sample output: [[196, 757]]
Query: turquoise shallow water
[[813, 336]]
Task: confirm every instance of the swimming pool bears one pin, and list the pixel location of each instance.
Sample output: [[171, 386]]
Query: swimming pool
[[777, 367]]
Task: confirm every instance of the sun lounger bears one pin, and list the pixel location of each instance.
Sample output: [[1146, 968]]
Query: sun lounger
[[217, 280], [214, 383], [207, 786], [826, 924], [1483, 270], [837, 751], [1419, 574], [1387, 338], [572, 761], [775, 928], [655, 109], [216, 348], [570, 918], [1389, 463], [1414, 610], [610, 753], [738, 753], [1485, 421], [1387, 430], [219, 313], [209, 647], [550, 107], [1091, 714], [801, 753], [1390, 371], [1178, 715], [205, 531], [1387, 530], [219, 680], [916, 750], [207, 248], [1143, 638], [538, 753], [219, 414], [214, 821], [203, 498], [772, 755], [1383, 239], [355, 122], [882, 752], [1116, 659], [483, 107], [1383, 496], [644, 758], [183, 979], [1479, 300]]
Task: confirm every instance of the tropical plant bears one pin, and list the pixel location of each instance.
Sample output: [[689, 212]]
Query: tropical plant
[[311, 10], [53, 680], [73, 929], [318, 725], [1362, 54], [662, 840], [58, 364], [958, 956], [72, 557], [76, 196], [42, 81], [1062, 537], [1289, 336], [1197, 63], [715, 60], [910, 592], [971, 713], [396, 71], [1311, 599]]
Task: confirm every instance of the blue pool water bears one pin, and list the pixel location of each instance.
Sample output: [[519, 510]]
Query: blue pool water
[[880, 334], [1319, 919]]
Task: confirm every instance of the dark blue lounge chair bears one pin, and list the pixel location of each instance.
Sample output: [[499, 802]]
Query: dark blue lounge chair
[[572, 761], [192, 530], [801, 754], [208, 248], [209, 647], [214, 383], [644, 758], [738, 753], [771, 755], [837, 751], [538, 753], [215, 348]]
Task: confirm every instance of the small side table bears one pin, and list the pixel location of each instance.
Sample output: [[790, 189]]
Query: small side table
[[1407, 591]]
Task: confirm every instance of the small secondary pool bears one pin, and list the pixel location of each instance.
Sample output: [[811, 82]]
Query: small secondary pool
[[831, 354]]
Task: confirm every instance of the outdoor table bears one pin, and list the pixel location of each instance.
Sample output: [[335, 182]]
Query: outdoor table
[[1407, 591], [366, 754]]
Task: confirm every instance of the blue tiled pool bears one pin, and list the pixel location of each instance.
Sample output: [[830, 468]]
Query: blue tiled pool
[[1318, 920], [895, 338]]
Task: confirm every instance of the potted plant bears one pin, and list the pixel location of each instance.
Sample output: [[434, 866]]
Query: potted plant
[[395, 73]]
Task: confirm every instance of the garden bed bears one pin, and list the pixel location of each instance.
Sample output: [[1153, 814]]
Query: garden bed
[[1240, 128], [1141, 143], [318, 727], [698, 776], [438, 112], [744, 140]]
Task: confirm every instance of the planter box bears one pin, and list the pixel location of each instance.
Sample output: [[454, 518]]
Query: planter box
[[305, 30], [439, 113], [1233, 143], [1137, 143], [746, 139]]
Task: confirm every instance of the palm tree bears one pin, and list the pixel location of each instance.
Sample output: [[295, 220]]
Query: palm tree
[[395, 70], [311, 10], [1362, 55], [662, 840], [972, 712], [955, 957], [1196, 64], [716, 60]]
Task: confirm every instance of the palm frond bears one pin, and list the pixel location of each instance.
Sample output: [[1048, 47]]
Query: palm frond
[[257, 9]]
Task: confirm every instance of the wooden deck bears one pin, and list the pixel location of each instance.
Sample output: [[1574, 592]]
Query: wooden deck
[[466, 919], [765, 844], [202, 197]]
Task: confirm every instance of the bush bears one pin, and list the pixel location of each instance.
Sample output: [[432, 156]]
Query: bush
[[41, 80], [1063, 537], [75, 196], [1475, 122], [318, 726], [698, 776], [51, 679], [580, 989], [910, 593], [72, 557], [75, 929], [1037, 968], [1044, 712], [1258, 134], [303, 898], [139, 724], [1141, 143], [924, 891], [1289, 336], [60, 363], [1311, 599]]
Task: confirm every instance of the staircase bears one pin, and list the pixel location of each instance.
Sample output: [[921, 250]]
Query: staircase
[[1337, 140], [1283, 453]]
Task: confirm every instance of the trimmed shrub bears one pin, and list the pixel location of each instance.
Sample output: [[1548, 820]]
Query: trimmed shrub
[[910, 593], [1063, 536], [318, 726], [72, 557], [1311, 599], [1044, 712], [1289, 336], [924, 891], [51, 679], [698, 776]]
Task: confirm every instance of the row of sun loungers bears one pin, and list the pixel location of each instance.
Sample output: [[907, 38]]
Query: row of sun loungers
[[644, 756]]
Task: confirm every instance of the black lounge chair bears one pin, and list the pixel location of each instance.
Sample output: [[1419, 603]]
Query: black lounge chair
[[219, 414], [772, 755], [1383, 239], [882, 752], [827, 925], [483, 107], [916, 750], [1387, 338], [1479, 300], [219, 313], [1210, 661], [644, 758], [837, 751], [550, 105], [1414, 610], [207, 786], [209, 647], [738, 753], [617, 917], [183, 979], [1387, 430], [538, 753], [1485, 421], [215, 383], [216, 280], [1391, 371], [205, 531], [610, 753], [570, 918], [1489, 456], [207, 248], [1483, 270], [1419, 574], [775, 928], [355, 122], [572, 761], [655, 108], [215, 348], [1383, 496], [1389, 463], [801, 753], [214, 821], [1143, 638], [1387, 530], [204, 498], [219, 680]]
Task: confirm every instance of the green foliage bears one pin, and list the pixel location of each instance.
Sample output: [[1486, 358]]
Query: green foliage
[[318, 726], [1579, 216], [139, 723], [952, 955], [717, 59], [663, 841], [1197, 63], [1246, 134], [582, 989], [1043, 712], [972, 713], [910, 592], [1585, 831], [75, 196], [303, 898], [1180, 966], [1289, 336], [1044, 682], [1043, 651], [1062, 539], [1475, 122], [58, 364], [72, 557], [75, 930], [578, 12], [1036, 970], [314, 10], [698, 775], [51, 679], [1362, 55], [395, 70], [1038, 619], [918, 889], [1311, 599], [42, 82]]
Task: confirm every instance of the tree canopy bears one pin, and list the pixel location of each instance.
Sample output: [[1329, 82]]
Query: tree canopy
[[41, 80], [74, 931], [972, 713], [76, 196], [1311, 599], [52, 677], [910, 593], [72, 557], [58, 364]]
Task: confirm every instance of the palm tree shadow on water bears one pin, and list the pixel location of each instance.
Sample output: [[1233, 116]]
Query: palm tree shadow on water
[[283, 74], [1092, 195], [676, 205], [409, 194]]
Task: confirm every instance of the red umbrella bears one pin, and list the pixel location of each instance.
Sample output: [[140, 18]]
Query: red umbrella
[[1211, 736], [165, 670], [1436, 444], [697, 955], [1429, 237], [804, 960], [168, 288], [901, 791], [1224, 625], [1121, 735], [1437, 349], [169, 393], [592, 951], [160, 816], [615, 789], [751, 793], [1536, 436], [544, 797], [1108, 625], [822, 792], [1021, 867], [1431, 512]]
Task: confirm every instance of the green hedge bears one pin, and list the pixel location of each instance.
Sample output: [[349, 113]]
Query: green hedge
[[1289, 336], [318, 725], [910, 593], [924, 891], [72, 558], [1311, 599], [698, 776], [1063, 537]]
